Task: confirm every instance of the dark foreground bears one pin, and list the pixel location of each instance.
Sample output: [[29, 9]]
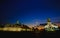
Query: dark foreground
[[42, 34]]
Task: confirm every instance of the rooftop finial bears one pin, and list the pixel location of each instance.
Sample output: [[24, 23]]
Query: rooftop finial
[[17, 22], [48, 20]]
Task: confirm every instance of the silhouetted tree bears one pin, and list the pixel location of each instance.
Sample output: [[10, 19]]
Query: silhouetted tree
[[33, 29], [1, 25], [36, 29]]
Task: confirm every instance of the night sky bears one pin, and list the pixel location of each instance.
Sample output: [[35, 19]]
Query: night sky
[[29, 11]]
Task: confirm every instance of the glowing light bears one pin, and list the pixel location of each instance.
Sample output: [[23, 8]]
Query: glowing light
[[28, 30], [5, 29], [24, 29], [1, 28], [19, 29], [40, 27]]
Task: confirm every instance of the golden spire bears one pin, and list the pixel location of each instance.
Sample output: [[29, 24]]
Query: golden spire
[[48, 20]]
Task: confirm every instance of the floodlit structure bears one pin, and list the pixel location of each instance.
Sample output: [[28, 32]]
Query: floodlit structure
[[15, 27], [50, 26], [17, 22]]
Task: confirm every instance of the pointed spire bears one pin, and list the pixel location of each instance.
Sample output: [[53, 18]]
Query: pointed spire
[[48, 20], [17, 22]]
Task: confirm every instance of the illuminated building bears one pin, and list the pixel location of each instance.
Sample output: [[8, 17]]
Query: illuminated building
[[15, 27], [50, 26]]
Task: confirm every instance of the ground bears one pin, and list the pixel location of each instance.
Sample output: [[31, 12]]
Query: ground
[[43, 34]]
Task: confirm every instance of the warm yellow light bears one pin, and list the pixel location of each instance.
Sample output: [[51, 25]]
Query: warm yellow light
[[14, 29], [28, 30], [5, 29], [24, 29], [19, 29], [1, 28]]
